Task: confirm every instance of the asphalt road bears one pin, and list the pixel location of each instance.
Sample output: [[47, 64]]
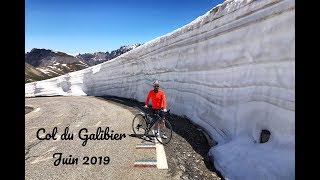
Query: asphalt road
[[107, 159]]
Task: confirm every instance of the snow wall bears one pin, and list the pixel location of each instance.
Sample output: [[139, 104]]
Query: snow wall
[[231, 71]]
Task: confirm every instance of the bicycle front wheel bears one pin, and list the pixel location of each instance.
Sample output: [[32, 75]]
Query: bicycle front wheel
[[139, 125], [164, 131]]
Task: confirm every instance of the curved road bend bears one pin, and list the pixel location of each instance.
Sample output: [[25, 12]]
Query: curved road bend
[[77, 113]]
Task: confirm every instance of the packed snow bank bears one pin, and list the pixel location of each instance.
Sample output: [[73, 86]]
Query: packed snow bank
[[231, 71]]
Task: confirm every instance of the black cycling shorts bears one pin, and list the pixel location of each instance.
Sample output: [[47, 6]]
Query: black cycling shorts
[[158, 111]]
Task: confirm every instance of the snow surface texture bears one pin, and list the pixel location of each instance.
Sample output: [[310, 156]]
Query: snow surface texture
[[231, 71]]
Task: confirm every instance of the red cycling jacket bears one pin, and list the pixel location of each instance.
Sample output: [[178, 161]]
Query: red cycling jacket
[[158, 99]]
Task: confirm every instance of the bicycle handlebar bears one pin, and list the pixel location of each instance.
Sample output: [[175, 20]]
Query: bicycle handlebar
[[167, 112]]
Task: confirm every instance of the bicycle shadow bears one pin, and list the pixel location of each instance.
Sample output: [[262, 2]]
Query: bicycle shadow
[[150, 139], [181, 126]]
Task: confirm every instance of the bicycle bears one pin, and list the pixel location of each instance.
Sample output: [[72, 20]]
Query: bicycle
[[143, 122]]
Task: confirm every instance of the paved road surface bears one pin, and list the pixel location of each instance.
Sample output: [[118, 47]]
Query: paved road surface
[[77, 113]]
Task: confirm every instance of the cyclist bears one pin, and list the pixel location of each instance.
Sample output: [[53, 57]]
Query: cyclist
[[158, 100]]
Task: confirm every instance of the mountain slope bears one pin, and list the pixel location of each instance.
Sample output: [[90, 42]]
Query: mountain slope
[[58, 69], [44, 57], [43, 63], [100, 57], [33, 74]]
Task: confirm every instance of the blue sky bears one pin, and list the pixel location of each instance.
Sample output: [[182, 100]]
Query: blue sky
[[87, 26]]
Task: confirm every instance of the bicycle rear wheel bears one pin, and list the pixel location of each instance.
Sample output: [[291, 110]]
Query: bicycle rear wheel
[[164, 133], [139, 125]]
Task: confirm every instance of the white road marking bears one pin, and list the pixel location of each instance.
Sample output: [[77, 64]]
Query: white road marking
[[98, 124], [144, 163], [38, 109], [161, 156]]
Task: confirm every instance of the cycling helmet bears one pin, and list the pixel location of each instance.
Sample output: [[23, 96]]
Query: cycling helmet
[[156, 82]]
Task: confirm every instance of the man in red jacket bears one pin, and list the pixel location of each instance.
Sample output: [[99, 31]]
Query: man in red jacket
[[158, 100]]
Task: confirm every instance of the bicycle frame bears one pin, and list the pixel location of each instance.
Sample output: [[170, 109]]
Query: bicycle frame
[[150, 124], [163, 128]]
